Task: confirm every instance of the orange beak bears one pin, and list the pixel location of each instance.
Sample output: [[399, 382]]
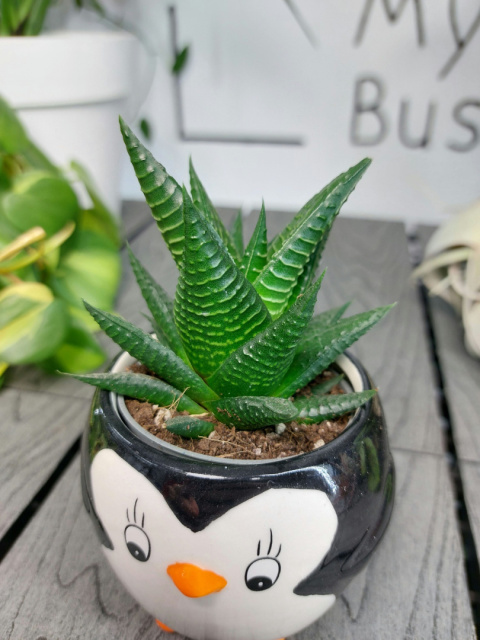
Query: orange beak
[[194, 582]]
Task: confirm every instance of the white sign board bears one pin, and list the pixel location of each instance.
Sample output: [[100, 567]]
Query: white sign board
[[280, 96]]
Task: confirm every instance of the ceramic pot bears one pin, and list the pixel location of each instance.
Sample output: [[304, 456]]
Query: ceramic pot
[[217, 548], [68, 89]]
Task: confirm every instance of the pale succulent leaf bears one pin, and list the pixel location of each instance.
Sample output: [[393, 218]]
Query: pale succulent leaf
[[316, 409]]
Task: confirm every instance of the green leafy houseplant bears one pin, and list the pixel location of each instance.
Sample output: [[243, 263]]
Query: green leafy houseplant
[[27, 17], [52, 251], [239, 340]]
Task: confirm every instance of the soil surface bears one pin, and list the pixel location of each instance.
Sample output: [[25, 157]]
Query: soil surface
[[228, 442]]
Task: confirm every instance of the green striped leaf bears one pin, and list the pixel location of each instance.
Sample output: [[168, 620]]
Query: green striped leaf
[[189, 427], [310, 269], [216, 308], [328, 317], [324, 387], [236, 233], [318, 324], [248, 413], [205, 206], [258, 366], [304, 278], [255, 256], [160, 305], [142, 387], [316, 409], [158, 358], [278, 279], [314, 202], [329, 344], [157, 330], [161, 191]]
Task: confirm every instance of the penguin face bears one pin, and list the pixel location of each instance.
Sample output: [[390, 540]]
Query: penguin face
[[235, 578]]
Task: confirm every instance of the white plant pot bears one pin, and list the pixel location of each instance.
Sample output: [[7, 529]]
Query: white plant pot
[[69, 88]]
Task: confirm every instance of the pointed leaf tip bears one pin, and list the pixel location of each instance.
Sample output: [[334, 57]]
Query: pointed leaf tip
[[296, 252], [318, 408], [321, 349], [203, 203], [255, 256], [161, 191]]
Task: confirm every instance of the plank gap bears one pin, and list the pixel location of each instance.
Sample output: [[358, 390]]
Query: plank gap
[[470, 557], [23, 519]]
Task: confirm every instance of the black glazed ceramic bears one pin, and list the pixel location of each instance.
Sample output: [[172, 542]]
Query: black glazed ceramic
[[355, 472]]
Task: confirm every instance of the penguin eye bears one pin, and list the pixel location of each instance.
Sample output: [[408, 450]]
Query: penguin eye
[[137, 542], [262, 574]]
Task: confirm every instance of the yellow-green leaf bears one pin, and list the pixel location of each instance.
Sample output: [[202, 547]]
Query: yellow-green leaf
[[32, 323]]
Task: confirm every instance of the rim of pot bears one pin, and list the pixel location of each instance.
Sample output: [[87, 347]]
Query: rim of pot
[[347, 363]]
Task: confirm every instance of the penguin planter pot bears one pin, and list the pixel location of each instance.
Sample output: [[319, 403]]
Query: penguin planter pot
[[219, 549]]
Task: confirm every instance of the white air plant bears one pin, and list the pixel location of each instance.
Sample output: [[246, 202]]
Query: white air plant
[[451, 270]]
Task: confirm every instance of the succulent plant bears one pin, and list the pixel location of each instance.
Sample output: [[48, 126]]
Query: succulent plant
[[240, 338]]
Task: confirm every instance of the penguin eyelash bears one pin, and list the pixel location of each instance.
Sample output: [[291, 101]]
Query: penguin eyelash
[[135, 515], [270, 545]]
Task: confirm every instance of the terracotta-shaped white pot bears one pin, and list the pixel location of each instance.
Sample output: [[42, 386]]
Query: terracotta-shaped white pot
[[68, 89]]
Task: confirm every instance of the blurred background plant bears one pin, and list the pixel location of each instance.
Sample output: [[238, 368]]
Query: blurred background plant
[[53, 253], [27, 17]]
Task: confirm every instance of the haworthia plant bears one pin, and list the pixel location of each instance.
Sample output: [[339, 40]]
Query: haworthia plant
[[240, 338]]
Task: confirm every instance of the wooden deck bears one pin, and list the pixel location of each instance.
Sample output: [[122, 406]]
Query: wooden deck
[[422, 582]]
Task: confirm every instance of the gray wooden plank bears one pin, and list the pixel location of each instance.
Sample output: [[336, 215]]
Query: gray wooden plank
[[367, 262], [461, 376], [461, 372], [414, 587], [470, 473], [36, 431], [55, 582]]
